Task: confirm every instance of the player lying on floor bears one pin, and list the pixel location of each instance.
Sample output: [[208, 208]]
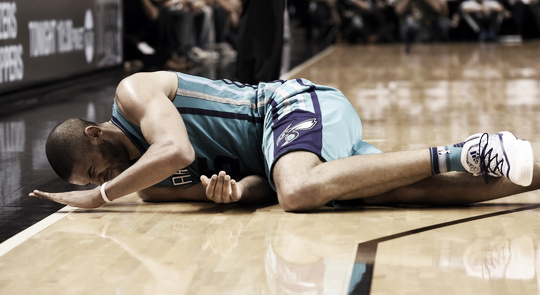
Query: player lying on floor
[[171, 134]]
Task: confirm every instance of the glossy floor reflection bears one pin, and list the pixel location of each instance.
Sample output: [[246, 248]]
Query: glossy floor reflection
[[437, 95], [23, 165]]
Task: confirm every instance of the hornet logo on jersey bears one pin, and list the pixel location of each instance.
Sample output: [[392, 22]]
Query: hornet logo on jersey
[[291, 133]]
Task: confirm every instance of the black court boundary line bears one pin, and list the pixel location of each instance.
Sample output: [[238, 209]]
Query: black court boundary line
[[367, 251]]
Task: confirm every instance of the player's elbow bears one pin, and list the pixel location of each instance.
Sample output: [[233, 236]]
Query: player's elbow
[[180, 155], [299, 198], [145, 196], [173, 155]]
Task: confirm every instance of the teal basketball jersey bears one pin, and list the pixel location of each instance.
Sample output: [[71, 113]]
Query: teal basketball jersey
[[224, 122], [243, 129]]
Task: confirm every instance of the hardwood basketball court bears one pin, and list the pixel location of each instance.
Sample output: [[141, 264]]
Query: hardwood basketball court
[[439, 94]]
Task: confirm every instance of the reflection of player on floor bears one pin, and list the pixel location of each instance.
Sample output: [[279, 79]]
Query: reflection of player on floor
[[172, 133], [501, 258]]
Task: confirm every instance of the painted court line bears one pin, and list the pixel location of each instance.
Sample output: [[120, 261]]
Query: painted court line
[[26, 234], [290, 74]]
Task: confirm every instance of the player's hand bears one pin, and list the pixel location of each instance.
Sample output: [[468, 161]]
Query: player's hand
[[221, 188], [82, 199]]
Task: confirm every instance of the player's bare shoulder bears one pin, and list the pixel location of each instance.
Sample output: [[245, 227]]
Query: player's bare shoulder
[[134, 93], [144, 83]]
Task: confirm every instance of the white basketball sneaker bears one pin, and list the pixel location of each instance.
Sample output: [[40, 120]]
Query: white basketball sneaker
[[500, 154]]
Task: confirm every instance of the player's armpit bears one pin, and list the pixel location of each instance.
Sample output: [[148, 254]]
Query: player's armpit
[[194, 193], [256, 190]]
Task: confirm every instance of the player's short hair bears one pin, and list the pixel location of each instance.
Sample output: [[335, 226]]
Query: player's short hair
[[66, 144]]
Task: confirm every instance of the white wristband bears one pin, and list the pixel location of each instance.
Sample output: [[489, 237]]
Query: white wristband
[[103, 194]]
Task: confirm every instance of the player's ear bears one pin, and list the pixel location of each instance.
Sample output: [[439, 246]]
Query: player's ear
[[94, 134]]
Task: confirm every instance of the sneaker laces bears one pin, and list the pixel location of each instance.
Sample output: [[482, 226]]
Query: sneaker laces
[[490, 164]]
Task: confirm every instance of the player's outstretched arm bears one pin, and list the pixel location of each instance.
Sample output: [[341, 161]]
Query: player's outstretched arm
[[145, 99], [253, 189], [82, 199]]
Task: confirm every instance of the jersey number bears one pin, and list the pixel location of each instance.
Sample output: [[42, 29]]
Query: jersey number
[[221, 163]]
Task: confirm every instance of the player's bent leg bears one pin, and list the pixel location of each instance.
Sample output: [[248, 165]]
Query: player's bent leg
[[304, 182], [291, 178], [454, 189]]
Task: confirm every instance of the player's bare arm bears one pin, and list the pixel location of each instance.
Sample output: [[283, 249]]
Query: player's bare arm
[[193, 193], [220, 188], [144, 99]]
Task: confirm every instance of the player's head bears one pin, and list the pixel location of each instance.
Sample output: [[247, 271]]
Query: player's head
[[79, 153]]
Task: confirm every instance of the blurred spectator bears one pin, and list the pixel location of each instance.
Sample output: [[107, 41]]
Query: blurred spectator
[[193, 35], [386, 21], [174, 34], [367, 20], [324, 20], [226, 18], [423, 20], [261, 33], [357, 20], [146, 38], [484, 17], [205, 31], [299, 9], [525, 16]]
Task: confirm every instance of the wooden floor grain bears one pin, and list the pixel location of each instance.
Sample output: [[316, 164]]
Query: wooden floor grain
[[439, 94]]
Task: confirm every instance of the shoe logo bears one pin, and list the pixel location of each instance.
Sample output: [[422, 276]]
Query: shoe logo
[[444, 152], [291, 133], [473, 158], [474, 154]]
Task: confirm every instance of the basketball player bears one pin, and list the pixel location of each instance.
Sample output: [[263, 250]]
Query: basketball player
[[176, 137]]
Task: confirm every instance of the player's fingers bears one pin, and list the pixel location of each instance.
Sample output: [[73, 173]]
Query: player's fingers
[[218, 191], [226, 190], [214, 182], [40, 195], [210, 186], [205, 180], [45, 196], [235, 191]]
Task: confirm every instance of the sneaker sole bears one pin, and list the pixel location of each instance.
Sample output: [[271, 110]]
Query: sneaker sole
[[522, 157]]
